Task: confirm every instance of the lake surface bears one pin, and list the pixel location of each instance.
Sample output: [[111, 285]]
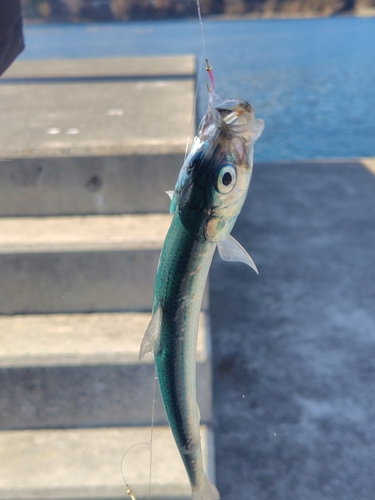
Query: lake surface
[[311, 80]]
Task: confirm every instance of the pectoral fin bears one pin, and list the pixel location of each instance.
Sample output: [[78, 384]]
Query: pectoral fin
[[232, 251], [151, 338], [170, 194]]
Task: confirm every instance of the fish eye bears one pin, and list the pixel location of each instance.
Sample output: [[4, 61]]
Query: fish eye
[[226, 179]]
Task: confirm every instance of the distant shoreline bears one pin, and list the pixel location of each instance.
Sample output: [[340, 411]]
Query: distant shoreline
[[370, 12]]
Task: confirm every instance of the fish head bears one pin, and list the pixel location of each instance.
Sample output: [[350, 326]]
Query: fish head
[[215, 177]]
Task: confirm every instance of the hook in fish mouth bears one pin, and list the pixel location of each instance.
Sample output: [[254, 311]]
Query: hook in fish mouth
[[234, 106], [235, 118], [231, 111], [229, 103]]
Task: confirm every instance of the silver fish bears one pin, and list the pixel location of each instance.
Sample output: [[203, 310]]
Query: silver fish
[[209, 194]]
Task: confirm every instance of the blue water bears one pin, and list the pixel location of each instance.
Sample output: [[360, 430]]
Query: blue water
[[311, 80]]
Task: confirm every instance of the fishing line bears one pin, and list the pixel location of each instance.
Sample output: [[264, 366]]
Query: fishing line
[[210, 74], [202, 30], [129, 490], [204, 51], [193, 113]]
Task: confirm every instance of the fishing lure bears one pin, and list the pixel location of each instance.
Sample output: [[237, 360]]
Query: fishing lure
[[209, 194]]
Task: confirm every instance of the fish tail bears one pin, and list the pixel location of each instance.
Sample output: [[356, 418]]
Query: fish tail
[[207, 491]]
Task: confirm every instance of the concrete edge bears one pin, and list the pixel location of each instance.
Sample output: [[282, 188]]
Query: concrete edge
[[156, 66], [53, 339], [85, 463]]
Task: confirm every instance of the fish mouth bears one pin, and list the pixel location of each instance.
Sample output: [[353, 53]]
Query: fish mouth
[[233, 111], [230, 119]]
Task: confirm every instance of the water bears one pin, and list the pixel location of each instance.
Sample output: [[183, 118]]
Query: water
[[311, 80]]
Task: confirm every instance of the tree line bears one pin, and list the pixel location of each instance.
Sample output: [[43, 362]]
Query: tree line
[[127, 10]]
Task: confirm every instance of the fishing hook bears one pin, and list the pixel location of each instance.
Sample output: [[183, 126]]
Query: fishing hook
[[210, 74]]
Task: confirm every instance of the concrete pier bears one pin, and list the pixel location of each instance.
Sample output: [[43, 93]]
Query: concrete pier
[[81, 227]]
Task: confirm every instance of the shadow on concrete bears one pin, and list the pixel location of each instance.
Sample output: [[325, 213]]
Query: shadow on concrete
[[294, 349]]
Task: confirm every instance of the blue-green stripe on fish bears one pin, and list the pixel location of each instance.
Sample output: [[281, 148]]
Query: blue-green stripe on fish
[[209, 194]]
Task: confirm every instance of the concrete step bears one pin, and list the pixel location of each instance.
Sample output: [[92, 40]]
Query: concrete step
[[102, 118], [85, 463], [83, 370], [81, 185], [94, 144], [79, 264]]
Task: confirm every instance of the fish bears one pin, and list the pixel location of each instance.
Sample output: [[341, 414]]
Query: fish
[[209, 194]]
